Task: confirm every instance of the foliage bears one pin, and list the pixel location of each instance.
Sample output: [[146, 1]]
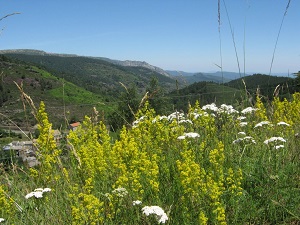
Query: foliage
[[212, 165]]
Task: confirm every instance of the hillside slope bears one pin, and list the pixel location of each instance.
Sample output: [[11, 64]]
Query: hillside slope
[[71, 101], [96, 75]]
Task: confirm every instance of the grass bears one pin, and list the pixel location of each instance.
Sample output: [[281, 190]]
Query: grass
[[218, 177]]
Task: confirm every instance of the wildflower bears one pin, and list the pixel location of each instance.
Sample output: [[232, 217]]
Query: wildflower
[[227, 109], [189, 135], [211, 107], [248, 110], [37, 193], [185, 121], [120, 192], [242, 124], [136, 122], [241, 118], [247, 139], [157, 211], [274, 139], [283, 123], [137, 202], [279, 146], [175, 115], [241, 133], [262, 123], [2, 220]]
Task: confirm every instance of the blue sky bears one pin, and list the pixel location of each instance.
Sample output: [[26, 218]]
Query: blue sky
[[171, 34]]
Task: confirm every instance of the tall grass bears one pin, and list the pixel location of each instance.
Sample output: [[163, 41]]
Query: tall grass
[[212, 165]]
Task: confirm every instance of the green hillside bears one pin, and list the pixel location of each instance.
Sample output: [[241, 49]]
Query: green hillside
[[95, 75], [42, 86], [266, 84]]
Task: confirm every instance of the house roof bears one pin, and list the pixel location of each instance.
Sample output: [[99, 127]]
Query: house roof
[[76, 124]]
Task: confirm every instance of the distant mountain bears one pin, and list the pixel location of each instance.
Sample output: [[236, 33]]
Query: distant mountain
[[266, 85], [217, 77], [128, 63], [94, 74], [135, 64]]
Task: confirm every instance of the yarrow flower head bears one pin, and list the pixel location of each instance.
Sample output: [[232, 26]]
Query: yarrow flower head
[[245, 140], [157, 211], [37, 193], [261, 124], [188, 135], [242, 124], [176, 115], [227, 109], [120, 192], [137, 202], [248, 110], [211, 107], [2, 220], [279, 146], [274, 139], [283, 123]]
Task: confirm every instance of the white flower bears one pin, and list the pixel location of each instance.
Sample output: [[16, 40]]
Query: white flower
[[47, 190], [137, 202], [189, 135], [227, 109], [242, 124], [176, 115], [120, 192], [181, 137], [247, 139], [274, 139], [2, 220], [241, 133], [157, 211], [37, 193], [241, 118], [262, 123], [248, 110], [283, 123], [192, 135], [185, 121], [211, 107], [279, 146]]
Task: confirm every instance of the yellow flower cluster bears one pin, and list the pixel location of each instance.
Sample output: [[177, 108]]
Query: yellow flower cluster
[[7, 208], [46, 146], [88, 210], [136, 170], [260, 112]]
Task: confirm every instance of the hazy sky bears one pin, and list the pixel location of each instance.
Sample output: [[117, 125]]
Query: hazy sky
[[171, 34]]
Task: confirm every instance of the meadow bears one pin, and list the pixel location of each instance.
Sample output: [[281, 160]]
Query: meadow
[[211, 165]]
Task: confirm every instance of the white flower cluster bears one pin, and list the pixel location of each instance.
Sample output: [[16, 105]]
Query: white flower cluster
[[137, 202], [247, 139], [120, 192], [188, 135], [248, 110], [274, 139], [176, 115], [157, 211], [261, 124], [283, 123], [136, 122], [37, 193], [2, 220], [228, 109], [211, 107]]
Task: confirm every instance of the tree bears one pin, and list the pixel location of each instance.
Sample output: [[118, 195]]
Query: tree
[[156, 97], [297, 78], [127, 108]]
